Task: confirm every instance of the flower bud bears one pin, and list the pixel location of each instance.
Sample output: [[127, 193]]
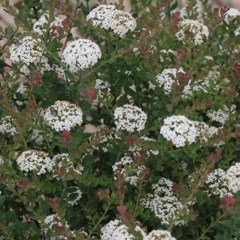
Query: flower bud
[[35, 80], [65, 138], [209, 102], [228, 202], [90, 94], [32, 104]]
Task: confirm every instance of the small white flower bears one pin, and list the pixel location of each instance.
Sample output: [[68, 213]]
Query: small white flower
[[159, 235], [164, 204], [217, 184], [130, 118], [62, 161], [204, 132], [179, 130], [63, 115], [21, 90], [104, 138], [120, 22], [104, 90], [107, 17], [37, 136], [33, 160], [52, 220], [192, 31], [231, 14], [100, 13], [74, 195], [41, 25], [168, 77], [27, 51], [221, 115], [233, 177], [114, 230], [129, 170], [7, 126], [81, 54]]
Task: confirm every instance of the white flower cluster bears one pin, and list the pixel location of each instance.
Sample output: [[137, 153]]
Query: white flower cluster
[[107, 17], [217, 184], [179, 130], [136, 149], [114, 230], [204, 132], [130, 118], [192, 31], [168, 77], [81, 54], [74, 195], [204, 83], [233, 178], [54, 220], [63, 115], [104, 90], [62, 161], [104, 138], [26, 52], [164, 204], [34, 160], [51, 220], [20, 91], [221, 115], [231, 14], [129, 170], [159, 235], [37, 136], [7, 126], [44, 24]]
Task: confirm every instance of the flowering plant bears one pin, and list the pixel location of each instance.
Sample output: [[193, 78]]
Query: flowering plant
[[117, 125]]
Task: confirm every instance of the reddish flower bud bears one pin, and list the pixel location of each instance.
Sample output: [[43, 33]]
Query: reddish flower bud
[[101, 193], [237, 67], [32, 104], [218, 151], [228, 201], [186, 77], [22, 184], [35, 80], [54, 201], [209, 102], [177, 16], [130, 140], [237, 55], [67, 24], [216, 155], [59, 172], [180, 53], [90, 94], [176, 187], [122, 209], [65, 138], [63, 9], [59, 229]]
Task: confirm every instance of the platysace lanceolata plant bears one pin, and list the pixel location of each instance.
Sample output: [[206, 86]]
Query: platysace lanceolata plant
[[120, 123]]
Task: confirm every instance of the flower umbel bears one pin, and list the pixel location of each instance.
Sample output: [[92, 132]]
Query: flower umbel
[[130, 118]]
